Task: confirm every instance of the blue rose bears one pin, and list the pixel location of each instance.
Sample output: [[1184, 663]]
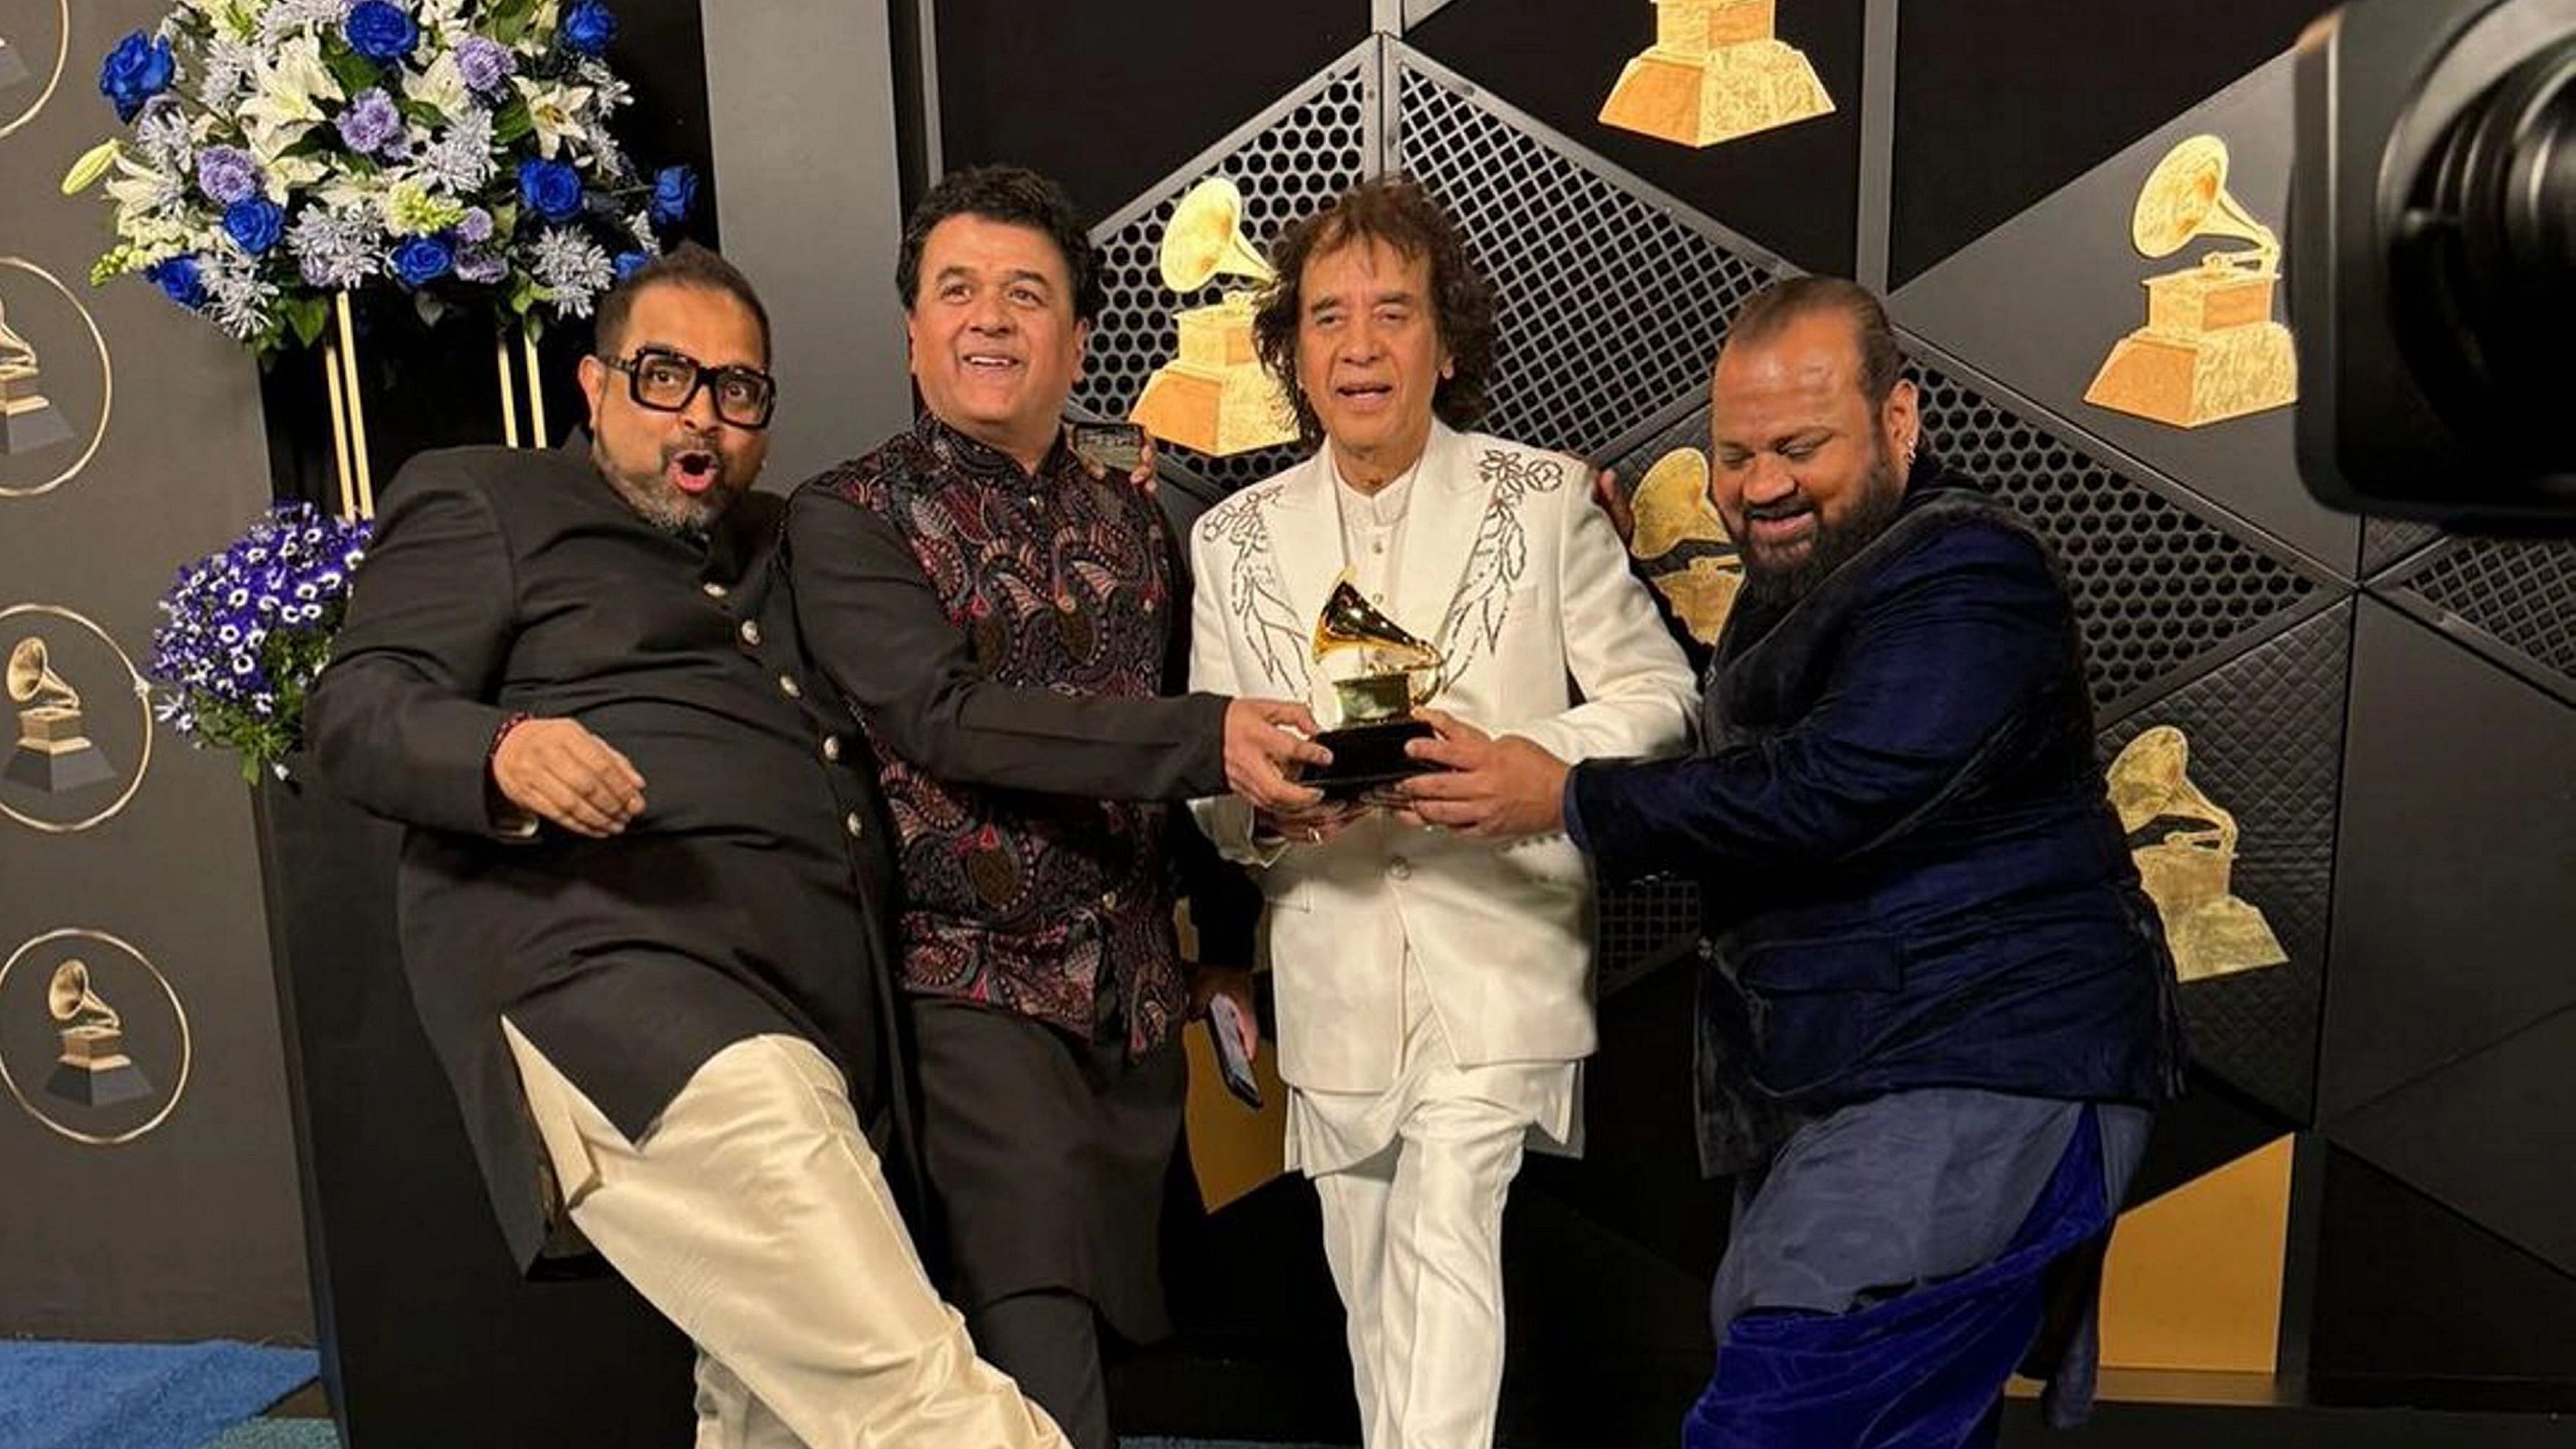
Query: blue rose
[[675, 195], [255, 224], [422, 260], [629, 263], [550, 188], [136, 71], [588, 27], [381, 32], [177, 278]]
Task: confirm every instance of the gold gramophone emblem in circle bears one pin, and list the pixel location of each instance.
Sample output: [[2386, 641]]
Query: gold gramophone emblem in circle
[[70, 736], [2210, 350], [30, 72], [1717, 70], [53, 415], [1681, 545], [94, 1043], [1215, 397]]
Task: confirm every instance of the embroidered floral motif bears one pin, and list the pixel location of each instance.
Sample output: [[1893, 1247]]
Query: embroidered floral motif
[[1256, 594], [1501, 552]]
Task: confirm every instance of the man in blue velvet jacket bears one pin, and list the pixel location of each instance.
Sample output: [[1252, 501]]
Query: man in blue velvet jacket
[[1936, 1009]]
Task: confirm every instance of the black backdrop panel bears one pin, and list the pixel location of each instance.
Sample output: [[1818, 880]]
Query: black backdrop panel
[[1794, 189], [2000, 102], [1110, 99]]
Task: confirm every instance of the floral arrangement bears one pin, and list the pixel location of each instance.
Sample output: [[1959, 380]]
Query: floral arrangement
[[286, 150], [245, 631]]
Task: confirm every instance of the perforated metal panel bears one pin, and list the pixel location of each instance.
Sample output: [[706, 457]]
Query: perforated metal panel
[[2522, 593], [2266, 733], [2386, 540], [1640, 927], [2155, 587], [1609, 307], [1318, 149]]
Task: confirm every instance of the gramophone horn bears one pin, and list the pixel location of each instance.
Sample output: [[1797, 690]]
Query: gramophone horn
[[2186, 196], [1204, 239], [1350, 621], [69, 997]]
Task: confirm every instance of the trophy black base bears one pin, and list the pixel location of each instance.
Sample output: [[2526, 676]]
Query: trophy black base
[[1367, 756], [12, 70], [24, 433], [39, 770], [97, 1088]]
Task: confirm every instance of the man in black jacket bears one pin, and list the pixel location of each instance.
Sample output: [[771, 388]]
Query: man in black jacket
[[646, 883]]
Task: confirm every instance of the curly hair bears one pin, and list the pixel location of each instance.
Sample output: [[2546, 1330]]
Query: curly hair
[[1394, 210], [1012, 194]]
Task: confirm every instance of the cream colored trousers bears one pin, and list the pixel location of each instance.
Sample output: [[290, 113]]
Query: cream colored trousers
[[754, 1216]]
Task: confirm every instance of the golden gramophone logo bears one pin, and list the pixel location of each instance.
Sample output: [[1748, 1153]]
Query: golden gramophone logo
[[1681, 545], [2210, 349], [79, 720], [93, 1041], [1717, 70], [30, 72], [1214, 397], [52, 754], [2185, 848], [47, 400], [1380, 674]]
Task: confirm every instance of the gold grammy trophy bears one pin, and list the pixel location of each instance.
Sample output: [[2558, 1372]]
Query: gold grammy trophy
[[12, 69], [27, 420], [1215, 397], [1396, 674], [1682, 543], [1716, 71], [2210, 349], [93, 1070], [2186, 867], [52, 755]]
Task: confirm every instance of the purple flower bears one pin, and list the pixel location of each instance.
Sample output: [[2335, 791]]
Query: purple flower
[[136, 71], [178, 280], [423, 260], [476, 228], [255, 224], [675, 195], [370, 123], [588, 27], [485, 63], [381, 32], [227, 175], [481, 268], [550, 188]]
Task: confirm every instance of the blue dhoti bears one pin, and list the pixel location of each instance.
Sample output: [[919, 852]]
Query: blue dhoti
[[1894, 1262]]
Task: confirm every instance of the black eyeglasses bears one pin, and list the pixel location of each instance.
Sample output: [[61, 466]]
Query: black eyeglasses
[[668, 381]]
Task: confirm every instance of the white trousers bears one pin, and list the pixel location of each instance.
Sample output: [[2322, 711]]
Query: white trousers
[[754, 1216], [1413, 1230]]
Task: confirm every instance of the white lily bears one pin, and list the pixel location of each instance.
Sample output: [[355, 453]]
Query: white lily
[[441, 87], [285, 101], [556, 111]]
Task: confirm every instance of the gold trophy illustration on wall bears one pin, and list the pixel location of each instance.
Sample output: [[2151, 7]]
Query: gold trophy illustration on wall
[[1716, 71], [27, 420], [2185, 848], [1380, 675], [52, 754], [12, 69], [1215, 397], [2210, 349], [93, 1069], [1682, 545]]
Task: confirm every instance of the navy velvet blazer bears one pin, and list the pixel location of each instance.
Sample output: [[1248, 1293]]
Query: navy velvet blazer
[[1911, 872]]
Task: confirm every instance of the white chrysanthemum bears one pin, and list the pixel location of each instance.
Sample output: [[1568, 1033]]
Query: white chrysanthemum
[[338, 246], [288, 17], [572, 268], [237, 296], [461, 160], [161, 133], [640, 227], [230, 68]]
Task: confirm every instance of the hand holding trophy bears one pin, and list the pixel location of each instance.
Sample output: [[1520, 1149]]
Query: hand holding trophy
[[1399, 674]]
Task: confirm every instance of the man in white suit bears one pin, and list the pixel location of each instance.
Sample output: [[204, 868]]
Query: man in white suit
[[1433, 991]]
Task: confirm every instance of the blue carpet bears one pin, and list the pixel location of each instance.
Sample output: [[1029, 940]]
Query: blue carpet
[[138, 1395]]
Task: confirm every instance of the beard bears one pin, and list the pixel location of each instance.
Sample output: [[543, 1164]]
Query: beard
[[1773, 584], [659, 502]]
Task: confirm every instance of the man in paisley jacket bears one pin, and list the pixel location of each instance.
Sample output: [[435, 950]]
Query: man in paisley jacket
[[1433, 991], [1003, 622]]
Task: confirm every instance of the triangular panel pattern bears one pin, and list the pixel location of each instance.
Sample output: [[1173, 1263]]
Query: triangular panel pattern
[[2386, 540], [1609, 306], [2521, 592], [2155, 587], [1313, 153], [2266, 735]]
